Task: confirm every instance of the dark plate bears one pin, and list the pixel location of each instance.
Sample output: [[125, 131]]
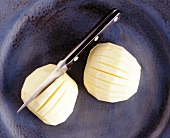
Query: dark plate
[[45, 31]]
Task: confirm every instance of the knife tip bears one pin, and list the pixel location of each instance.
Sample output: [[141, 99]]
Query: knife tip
[[22, 107]]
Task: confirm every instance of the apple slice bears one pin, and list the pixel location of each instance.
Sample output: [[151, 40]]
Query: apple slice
[[55, 95], [111, 74], [118, 49], [106, 76], [113, 63], [117, 53], [64, 112], [50, 102], [65, 98], [108, 69]]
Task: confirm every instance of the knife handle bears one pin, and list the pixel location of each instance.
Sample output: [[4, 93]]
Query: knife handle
[[93, 35]]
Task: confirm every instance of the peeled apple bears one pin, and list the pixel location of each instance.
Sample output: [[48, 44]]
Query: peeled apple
[[55, 104], [111, 74]]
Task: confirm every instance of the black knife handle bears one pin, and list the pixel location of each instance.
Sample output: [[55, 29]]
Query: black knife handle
[[93, 35]]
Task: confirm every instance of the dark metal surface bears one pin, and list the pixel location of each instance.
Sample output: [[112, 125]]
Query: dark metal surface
[[34, 33]]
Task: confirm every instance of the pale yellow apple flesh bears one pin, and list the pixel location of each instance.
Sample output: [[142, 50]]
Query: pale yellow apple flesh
[[111, 74], [55, 104]]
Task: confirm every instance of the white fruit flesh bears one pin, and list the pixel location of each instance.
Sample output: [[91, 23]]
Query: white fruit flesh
[[66, 97], [115, 52], [66, 108], [111, 74], [62, 93]]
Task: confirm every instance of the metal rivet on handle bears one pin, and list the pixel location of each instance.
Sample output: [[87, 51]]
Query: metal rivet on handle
[[96, 38], [116, 19], [76, 58]]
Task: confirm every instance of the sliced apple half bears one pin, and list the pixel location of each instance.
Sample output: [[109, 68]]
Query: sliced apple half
[[55, 104], [111, 74]]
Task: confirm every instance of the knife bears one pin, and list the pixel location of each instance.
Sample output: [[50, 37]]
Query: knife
[[90, 38]]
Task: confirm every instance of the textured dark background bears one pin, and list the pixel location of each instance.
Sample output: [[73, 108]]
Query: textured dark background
[[34, 33]]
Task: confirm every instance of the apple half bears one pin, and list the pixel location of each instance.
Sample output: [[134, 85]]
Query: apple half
[[56, 103], [111, 74]]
